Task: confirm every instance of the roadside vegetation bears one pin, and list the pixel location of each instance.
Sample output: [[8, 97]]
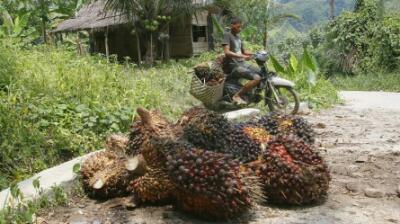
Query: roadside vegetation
[[388, 82]]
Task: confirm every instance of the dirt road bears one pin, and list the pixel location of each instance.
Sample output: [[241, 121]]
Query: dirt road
[[359, 140]]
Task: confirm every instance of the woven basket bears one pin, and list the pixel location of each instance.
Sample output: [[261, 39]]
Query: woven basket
[[208, 95]]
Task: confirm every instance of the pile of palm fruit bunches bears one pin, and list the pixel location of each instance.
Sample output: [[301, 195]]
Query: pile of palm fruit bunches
[[209, 167]]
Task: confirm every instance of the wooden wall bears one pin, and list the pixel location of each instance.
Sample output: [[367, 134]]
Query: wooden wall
[[120, 42], [200, 45], [180, 42]]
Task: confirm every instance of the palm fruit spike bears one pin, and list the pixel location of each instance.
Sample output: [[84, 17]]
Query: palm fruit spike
[[209, 185], [292, 173], [106, 174], [150, 124], [153, 187], [208, 130], [117, 143], [247, 140]]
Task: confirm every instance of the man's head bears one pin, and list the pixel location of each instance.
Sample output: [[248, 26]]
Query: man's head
[[236, 25]]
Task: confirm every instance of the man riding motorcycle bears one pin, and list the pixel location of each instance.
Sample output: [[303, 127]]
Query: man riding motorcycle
[[235, 62]]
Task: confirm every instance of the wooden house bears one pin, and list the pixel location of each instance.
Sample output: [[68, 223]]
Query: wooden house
[[110, 33]]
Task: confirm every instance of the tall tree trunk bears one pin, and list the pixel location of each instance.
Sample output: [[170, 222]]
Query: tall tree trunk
[[106, 43], [265, 37], [210, 31], [331, 9], [78, 44], [167, 49], [151, 48], [139, 50], [44, 34]]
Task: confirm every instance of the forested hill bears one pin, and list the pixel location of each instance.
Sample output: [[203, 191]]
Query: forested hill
[[312, 12]]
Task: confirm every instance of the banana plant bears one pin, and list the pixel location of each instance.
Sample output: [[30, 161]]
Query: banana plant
[[297, 69], [12, 27]]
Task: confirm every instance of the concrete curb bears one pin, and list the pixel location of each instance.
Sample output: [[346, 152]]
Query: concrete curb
[[241, 115], [63, 174], [57, 176]]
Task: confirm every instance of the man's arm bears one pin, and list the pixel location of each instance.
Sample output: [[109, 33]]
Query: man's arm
[[229, 53], [246, 52]]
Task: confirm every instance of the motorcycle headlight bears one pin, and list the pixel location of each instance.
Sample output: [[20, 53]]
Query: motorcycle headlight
[[262, 56]]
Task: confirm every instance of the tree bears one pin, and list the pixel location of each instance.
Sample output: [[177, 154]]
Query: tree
[[361, 41], [260, 15], [331, 9], [35, 17]]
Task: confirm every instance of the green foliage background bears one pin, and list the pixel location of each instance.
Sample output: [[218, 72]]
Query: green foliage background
[[359, 42]]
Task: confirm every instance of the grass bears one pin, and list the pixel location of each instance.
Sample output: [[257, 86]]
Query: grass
[[20, 210], [58, 105], [368, 82], [55, 105]]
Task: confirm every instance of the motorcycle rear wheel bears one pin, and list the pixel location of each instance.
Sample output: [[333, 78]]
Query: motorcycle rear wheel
[[288, 97]]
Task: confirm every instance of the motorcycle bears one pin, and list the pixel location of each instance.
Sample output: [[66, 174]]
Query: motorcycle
[[277, 93]]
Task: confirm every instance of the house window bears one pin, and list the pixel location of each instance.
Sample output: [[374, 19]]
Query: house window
[[199, 33]]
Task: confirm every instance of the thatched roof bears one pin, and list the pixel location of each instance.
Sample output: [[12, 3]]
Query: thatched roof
[[93, 16]]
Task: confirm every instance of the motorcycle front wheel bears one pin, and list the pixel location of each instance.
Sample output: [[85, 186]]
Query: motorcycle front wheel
[[288, 102]]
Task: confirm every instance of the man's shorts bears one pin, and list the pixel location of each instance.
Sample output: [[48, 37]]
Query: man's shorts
[[244, 71]]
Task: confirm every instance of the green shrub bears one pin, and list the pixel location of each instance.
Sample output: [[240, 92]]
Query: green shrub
[[360, 41], [313, 87]]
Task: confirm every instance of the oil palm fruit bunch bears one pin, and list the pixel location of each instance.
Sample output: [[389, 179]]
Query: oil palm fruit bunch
[[298, 126], [154, 186], [148, 125], [292, 173], [280, 124], [209, 185], [210, 73], [247, 140], [208, 130], [106, 174]]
